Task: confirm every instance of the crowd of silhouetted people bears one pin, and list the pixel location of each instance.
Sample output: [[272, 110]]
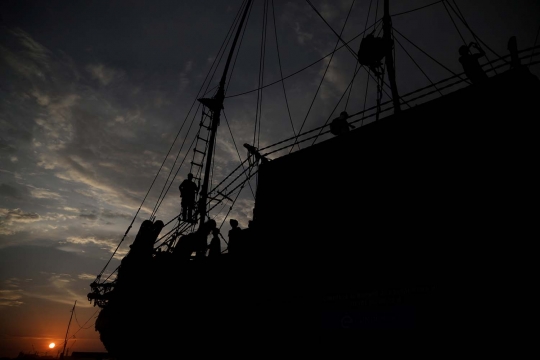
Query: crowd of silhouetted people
[[197, 242]]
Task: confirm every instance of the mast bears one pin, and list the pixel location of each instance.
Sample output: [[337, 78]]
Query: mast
[[216, 104], [67, 331], [387, 29]]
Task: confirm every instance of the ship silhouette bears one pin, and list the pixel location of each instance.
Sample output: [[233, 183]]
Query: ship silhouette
[[368, 229]]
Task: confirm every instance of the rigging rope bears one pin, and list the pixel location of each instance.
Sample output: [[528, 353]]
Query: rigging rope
[[238, 152], [339, 36], [365, 117], [476, 38], [239, 47], [222, 48], [81, 327], [431, 57], [399, 43], [302, 69], [281, 80], [419, 8], [281, 71], [327, 67], [178, 133], [341, 98], [258, 111], [222, 51], [453, 22]]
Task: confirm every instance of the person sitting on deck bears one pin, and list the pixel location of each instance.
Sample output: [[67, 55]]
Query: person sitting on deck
[[470, 63], [194, 242], [188, 191], [215, 244], [234, 236], [340, 125]]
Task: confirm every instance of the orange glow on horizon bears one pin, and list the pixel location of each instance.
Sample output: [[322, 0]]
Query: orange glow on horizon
[[51, 345]]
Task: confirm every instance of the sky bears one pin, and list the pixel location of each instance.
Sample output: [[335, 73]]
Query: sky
[[95, 95]]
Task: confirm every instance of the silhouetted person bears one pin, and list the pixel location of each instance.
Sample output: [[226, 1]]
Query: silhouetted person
[[340, 125], [186, 246], [514, 58], [188, 191], [254, 151], [194, 242], [372, 50], [234, 236], [202, 239], [215, 244], [470, 63]]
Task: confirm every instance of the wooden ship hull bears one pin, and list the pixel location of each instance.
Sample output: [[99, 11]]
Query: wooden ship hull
[[367, 230]]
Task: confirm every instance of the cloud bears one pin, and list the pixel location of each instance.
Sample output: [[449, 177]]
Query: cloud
[[88, 216], [11, 298], [30, 58], [111, 215], [86, 276], [184, 80], [298, 26], [11, 219], [103, 74], [328, 11], [335, 81], [301, 36], [39, 193], [38, 52], [105, 243], [42, 99], [9, 191], [57, 288]]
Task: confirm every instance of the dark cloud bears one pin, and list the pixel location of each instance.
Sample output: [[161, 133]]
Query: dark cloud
[[112, 215], [9, 191], [11, 221], [6, 148], [88, 216], [19, 215]]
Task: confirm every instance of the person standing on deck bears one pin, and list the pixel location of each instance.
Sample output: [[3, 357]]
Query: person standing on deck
[[188, 191], [234, 236], [215, 244], [470, 63]]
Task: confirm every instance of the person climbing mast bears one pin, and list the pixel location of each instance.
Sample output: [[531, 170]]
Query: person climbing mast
[[188, 192]]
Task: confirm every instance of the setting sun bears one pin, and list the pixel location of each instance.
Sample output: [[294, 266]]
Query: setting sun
[[51, 345]]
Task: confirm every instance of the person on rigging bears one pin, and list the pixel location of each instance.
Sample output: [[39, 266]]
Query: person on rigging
[[372, 50], [470, 63], [252, 150], [340, 125], [188, 191]]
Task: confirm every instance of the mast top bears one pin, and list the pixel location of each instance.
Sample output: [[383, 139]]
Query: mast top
[[215, 105], [387, 34]]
